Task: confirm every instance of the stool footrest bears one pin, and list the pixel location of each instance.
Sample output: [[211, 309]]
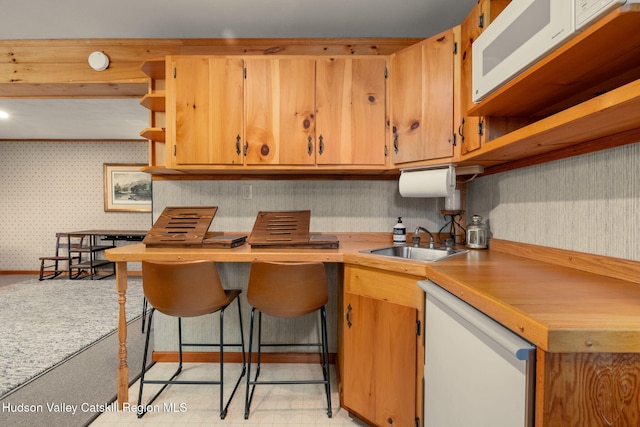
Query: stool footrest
[[180, 382], [289, 382]]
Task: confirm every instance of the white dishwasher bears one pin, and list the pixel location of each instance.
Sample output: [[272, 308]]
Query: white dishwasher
[[477, 372]]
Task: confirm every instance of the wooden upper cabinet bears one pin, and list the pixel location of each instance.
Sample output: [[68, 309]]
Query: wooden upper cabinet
[[406, 104], [422, 100], [473, 130], [205, 110], [469, 135], [350, 111], [280, 104]]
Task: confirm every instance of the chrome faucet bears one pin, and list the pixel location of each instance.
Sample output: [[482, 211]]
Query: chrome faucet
[[416, 237]]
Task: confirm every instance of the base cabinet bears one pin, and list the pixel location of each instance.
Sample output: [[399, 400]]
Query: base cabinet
[[381, 346], [588, 389]]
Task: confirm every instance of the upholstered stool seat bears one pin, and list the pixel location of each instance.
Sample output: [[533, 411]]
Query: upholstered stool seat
[[188, 289], [287, 289]]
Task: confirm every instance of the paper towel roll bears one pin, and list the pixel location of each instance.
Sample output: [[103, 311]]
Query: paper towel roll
[[427, 183]]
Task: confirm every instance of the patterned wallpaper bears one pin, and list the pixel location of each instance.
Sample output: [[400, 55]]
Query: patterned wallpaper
[[49, 187], [589, 203], [335, 205]]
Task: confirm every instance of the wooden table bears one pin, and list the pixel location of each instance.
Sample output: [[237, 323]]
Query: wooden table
[[94, 247]]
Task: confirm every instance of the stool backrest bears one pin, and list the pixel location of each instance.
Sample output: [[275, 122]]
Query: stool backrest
[[287, 289], [184, 288]]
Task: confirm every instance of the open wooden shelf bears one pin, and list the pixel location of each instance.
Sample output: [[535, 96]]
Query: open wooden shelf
[[154, 68], [154, 134], [614, 113], [154, 101], [603, 57]]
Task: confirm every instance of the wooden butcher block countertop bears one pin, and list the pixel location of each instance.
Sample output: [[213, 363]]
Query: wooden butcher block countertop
[[561, 301]]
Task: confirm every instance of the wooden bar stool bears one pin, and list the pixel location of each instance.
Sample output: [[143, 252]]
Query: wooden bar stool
[[287, 289], [188, 289]]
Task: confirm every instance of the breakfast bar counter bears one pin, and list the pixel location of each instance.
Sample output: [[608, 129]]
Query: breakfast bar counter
[[349, 243]]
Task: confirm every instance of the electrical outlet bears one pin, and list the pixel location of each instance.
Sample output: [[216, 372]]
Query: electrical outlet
[[247, 191]]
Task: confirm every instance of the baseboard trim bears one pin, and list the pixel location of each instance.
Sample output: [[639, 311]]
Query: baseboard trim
[[37, 272], [25, 272], [236, 357]]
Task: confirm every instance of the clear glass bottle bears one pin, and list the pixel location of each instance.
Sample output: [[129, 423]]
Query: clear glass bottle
[[477, 233]]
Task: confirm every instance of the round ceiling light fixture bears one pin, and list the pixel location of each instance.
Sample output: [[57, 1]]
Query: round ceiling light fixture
[[98, 61]]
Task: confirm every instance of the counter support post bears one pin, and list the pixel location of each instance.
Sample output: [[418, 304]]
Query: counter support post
[[123, 369]]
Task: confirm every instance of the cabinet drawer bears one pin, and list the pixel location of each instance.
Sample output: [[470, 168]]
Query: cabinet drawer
[[386, 286]]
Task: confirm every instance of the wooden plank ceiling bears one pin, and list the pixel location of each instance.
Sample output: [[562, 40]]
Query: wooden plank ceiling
[[59, 68]]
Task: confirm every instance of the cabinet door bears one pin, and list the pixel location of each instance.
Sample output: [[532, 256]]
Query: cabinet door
[[380, 360], [350, 111], [469, 136], [438, 96], [280, 126], [422, 100], [473, 130], [208, 102], [406, 104]]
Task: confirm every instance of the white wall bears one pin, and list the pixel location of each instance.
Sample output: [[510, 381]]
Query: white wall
[[589, 203], [47, 187]]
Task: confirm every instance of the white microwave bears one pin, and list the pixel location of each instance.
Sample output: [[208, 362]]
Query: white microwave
[[526, 31]]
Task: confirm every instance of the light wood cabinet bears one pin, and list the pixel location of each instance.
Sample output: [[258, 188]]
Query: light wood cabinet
[[324, 111], [422, 99], [382, 346], [471, 130], [280, 105], [351, 111], [205, 110], [582, 97]]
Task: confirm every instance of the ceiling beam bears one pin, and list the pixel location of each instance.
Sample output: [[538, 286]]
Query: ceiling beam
[[59, 68]]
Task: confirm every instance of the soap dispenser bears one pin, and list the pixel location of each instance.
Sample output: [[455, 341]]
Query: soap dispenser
[[399, 232]]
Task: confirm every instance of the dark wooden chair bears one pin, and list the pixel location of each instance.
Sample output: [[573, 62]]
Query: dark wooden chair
[[53, 266]]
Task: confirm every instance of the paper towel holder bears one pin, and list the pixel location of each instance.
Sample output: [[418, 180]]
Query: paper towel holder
[[410, 175], [452, 171], [459, 170], [474, 170]]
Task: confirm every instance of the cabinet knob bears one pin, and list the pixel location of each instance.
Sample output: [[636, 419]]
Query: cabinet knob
[[320, 144], [238, 145], [309, 145], [349, 308]]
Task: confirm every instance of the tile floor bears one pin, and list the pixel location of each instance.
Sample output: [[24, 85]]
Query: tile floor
[[197, 405]]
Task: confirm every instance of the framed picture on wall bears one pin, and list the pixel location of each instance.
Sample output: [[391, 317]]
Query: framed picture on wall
[[126, 189]]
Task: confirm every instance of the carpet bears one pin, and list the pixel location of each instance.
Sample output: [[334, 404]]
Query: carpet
[[42, 324]]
